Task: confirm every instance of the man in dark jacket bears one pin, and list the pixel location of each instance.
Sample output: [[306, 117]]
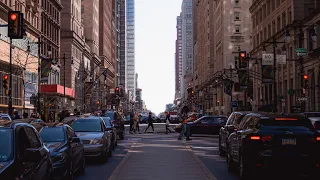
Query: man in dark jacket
[[150, 123], [131, 123]]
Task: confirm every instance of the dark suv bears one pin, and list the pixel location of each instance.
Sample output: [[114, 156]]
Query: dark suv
[[117, 121], [22, 153], [280, 142], [231, 126], [67, 151]]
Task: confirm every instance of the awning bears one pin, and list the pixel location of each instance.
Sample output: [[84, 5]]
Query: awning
[[57, 90]]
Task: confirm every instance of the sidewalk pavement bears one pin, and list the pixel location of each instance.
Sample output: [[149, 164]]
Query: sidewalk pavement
[[160, 157]]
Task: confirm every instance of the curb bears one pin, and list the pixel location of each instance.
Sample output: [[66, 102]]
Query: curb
[[118, 169], [200, 163]]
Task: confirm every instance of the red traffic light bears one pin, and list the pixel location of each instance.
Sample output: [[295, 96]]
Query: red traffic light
[[305, 77], [13, 17], [5, 77], [117, 89], [243, 55]]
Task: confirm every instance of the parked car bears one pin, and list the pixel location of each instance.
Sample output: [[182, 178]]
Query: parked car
[[118, 121], [94, 135], [311, 114], [5, 117], [22, 153], [206, 125], [66, 149], [280, 141], [231, 126], [112, 130]]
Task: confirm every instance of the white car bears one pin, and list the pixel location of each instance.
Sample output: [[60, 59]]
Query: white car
[[5, 117]]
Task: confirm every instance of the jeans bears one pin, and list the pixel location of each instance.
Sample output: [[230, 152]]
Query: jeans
[[184, 131]]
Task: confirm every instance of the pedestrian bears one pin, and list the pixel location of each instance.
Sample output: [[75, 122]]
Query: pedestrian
[[25, 115], [136, 119], [168, 123], [185, 129], [16, 115], [131, 123], [150, 123]]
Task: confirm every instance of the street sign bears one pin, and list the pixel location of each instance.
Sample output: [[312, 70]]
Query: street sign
[[281, 59], [301, 51], [267, 59], [302, 99], [234, 104]]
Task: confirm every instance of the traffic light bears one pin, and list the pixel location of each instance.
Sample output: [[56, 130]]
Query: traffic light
[[242, 59], [117, 90], [305, 81], [15, 25], [5, 84]]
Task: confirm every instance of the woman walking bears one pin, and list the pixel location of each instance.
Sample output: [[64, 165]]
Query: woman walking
[[168, 123], [136, 123]]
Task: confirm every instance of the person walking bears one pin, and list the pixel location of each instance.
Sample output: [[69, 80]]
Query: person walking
[[136, 119], [150, 123], [185, 130], [131, 123], [168, 123]]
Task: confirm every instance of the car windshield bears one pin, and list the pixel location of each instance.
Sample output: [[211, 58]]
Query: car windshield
[[107, 121], [52, 134], [286, 121], [110, 115], [312, 114], [6, 146], [87, 125]]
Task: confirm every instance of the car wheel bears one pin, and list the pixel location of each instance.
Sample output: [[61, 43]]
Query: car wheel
[[221, 151], [110, 152], [121, 136], [244, 170], [230, 163], [82, 169], [104, 156]]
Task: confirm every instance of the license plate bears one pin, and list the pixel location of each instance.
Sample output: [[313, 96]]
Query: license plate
[[288, 141]]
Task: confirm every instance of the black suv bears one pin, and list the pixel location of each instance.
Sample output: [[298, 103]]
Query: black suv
[[280, 142], [231, 126], [23, 155], [67, 151], [117, 121]]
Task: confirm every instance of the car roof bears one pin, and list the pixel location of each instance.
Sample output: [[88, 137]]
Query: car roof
[[274, 115], [12, 124]]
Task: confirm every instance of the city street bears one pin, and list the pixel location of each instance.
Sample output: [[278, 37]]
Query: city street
[[161, 156]]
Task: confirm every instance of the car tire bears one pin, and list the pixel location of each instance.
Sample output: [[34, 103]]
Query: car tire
[[110, 152], [104, 156], [222, 153], [121, 136], [82, 169], [230, 163]]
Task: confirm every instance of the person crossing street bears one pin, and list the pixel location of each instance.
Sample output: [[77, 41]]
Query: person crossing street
[[185, 129], [168, 123], [150, 123]]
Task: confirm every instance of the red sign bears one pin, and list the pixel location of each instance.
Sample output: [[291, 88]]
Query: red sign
[[55, 88]]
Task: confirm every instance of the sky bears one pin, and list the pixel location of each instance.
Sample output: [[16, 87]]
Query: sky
[[155, 28]]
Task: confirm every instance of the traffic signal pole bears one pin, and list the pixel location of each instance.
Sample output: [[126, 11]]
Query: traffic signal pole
[[274, 76], [10, 108]]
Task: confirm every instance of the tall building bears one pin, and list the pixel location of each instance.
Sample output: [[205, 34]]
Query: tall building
[[231, 34], [178, 59], [72, 45], [106, 48], [187, 46], [116, 39], [289, 21], [130, 62], [203, 33], [123, 45]]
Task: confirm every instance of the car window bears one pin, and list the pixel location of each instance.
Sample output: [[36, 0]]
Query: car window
[[231, 119], [107, 121], [219, 120], [52, 134], [70, 133], [238, 118], [244, 122], [205, 120], [286, 121], [110, 115], [87, 125], [6, 145], [33, 138]]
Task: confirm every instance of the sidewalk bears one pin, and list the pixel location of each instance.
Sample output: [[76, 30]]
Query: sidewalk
[[160, 157]]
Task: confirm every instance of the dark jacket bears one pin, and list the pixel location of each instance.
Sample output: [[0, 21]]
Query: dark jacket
[[150, 120]]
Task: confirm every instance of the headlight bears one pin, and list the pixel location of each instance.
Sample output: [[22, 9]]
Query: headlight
[[59, 157], [96, 141]]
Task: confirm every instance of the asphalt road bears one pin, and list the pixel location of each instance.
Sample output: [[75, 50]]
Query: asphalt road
[[205, 147]]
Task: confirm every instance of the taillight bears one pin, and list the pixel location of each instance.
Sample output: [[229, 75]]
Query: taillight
[[318, 138], [266, 138], [255, 137]]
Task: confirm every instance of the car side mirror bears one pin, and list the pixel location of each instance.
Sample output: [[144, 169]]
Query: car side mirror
[[32, 155], [75, 140]]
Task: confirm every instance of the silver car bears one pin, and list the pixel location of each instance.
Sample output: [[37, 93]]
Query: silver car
[[95, 137]]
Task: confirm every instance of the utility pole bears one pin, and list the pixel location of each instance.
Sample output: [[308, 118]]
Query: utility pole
[[39, 75], [231, 89], [274, 76], [10, 108], [64, 76]]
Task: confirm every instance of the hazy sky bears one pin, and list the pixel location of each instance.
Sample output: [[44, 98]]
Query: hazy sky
[[155, 28]]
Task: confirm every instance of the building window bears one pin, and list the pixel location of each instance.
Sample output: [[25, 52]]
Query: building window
[[289, 15], [284, 19], [236, 16], [237, 29], [278, 23], [236, 3]]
